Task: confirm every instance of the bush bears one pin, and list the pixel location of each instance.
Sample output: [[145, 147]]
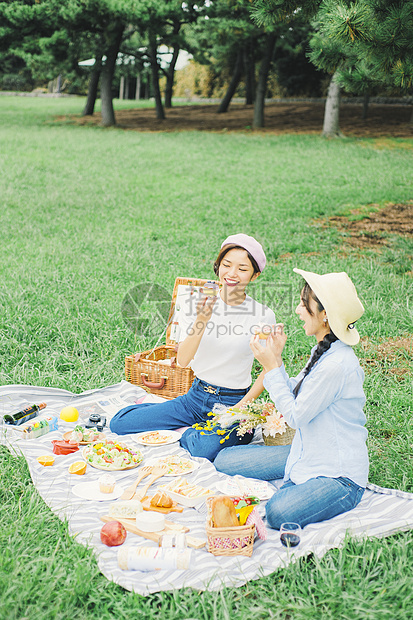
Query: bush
[[15, 81]]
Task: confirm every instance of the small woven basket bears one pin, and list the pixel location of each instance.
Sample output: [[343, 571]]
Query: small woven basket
[[238, 540], [235, 540], [279, 440]]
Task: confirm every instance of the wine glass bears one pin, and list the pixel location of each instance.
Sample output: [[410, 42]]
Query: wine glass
[[290, 534]]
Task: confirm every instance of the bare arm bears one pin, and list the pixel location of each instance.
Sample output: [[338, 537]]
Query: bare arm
[[188, 347], [255, 390]]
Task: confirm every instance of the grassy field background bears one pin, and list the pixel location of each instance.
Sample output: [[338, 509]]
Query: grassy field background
[[87, 214]]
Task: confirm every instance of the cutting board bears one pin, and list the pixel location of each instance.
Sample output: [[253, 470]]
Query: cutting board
[[170, 528], [146, 503]]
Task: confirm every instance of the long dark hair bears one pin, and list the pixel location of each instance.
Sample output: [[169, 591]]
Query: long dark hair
[[324, 344], [233, 246]]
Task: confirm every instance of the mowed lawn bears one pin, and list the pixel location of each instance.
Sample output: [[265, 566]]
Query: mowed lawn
[[89, 213]]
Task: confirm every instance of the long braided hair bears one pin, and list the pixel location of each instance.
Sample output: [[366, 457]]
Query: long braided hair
[[324, 344]]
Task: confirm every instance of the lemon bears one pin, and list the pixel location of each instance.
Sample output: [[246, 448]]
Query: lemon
[[78, 468], [69, 414], [45, 460]]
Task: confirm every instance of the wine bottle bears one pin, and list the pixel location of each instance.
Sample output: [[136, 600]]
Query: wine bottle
[[25, 414]]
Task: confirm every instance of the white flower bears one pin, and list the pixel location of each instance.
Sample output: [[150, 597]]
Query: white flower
[[274, 425], [227, 417]]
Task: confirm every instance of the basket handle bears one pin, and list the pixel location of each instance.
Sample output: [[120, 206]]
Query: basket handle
[[151, 385]]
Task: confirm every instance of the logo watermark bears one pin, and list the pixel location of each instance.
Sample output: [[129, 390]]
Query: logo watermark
[[145, 309]]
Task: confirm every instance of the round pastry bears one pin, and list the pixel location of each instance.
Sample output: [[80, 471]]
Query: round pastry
[[210, 289], [161, 500], [150, 521], [263, 331], [107, 483]]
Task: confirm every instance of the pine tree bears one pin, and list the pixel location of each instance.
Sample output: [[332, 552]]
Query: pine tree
[[367, 45], [363, 44]]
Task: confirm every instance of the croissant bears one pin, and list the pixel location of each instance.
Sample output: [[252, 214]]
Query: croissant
[[161, 500]]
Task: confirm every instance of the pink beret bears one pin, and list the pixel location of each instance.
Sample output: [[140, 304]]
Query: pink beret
[[251, 245]]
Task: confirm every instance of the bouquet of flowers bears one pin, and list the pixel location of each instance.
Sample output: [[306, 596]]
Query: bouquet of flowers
[[224, 421]]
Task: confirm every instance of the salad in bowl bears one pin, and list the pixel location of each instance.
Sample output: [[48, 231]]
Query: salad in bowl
[[112, 455]]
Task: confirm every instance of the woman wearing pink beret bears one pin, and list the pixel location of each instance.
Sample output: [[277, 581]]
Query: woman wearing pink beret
[[214, 341]]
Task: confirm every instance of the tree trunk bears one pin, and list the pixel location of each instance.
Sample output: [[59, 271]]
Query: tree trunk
[[138, 87], [411, 117], [236, 76], [108, 113], [170, 76], [249, 78], [331, 126], [122, 87], [160, 114], [366, 100], [265, 66], [92, 92]]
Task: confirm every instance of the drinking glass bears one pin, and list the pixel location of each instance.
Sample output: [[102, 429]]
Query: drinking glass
[[290, 534]]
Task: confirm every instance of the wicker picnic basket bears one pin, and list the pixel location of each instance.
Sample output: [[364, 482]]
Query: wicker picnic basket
[[280, 440], [156, 370], [237, 540]]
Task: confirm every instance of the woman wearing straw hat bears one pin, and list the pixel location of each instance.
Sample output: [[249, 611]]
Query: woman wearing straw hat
[[215, 341], [325, 469]]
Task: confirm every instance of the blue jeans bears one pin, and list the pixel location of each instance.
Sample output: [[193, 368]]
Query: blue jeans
[[317, 499], [185, 410]]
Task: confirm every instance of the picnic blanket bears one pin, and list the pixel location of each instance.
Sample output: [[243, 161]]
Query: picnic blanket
[[381, 512]]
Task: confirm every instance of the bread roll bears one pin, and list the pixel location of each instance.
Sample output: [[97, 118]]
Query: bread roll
[[223, 512], [161, 500]]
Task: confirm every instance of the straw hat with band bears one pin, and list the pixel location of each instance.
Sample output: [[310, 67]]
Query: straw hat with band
[[338, 295]]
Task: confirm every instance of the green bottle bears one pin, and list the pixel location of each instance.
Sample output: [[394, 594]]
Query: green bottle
[[22, 416]]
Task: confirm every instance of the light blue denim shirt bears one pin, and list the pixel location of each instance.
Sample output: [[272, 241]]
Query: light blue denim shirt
[[328, 414]]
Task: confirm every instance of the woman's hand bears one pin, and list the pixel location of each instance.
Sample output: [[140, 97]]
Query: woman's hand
[[204, 309], [270, 355], [189, 346]]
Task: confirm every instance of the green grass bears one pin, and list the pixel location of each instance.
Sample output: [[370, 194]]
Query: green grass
[[87, 214]]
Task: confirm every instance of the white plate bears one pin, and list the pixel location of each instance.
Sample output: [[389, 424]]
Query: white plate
[[192, 465], [169, 437], [246, 486], [90, 490]]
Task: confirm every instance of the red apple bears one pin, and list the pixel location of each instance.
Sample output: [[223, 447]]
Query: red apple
[[113, 534]]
